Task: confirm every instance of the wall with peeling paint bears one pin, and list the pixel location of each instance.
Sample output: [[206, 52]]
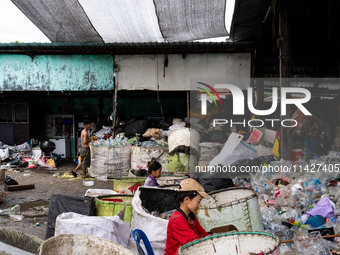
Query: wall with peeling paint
[[149, 71], [56, 72]]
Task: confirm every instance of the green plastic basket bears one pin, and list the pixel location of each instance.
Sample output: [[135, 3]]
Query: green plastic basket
[[111, 208]]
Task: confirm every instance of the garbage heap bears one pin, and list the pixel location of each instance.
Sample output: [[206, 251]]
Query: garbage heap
[[23, 155], [298, 199], [127, 152]]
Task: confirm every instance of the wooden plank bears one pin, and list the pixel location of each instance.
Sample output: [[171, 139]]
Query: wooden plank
[[309, 238], [19, 187]]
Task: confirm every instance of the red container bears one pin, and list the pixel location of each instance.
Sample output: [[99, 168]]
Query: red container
[[296, 154]]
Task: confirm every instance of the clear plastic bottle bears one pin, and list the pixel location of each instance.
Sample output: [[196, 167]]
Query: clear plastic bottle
[[15, 209], [269, 214]]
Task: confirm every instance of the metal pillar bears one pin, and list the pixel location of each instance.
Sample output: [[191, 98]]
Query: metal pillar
[[285, 72]]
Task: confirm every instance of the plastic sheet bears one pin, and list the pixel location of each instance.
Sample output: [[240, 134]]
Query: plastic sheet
[[102, 132], [233, 150], [324, 207], [64, 203]]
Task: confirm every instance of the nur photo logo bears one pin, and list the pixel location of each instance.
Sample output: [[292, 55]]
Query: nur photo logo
[[238, 107]]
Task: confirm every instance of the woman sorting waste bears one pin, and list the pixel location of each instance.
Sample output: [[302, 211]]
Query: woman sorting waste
[[154, 169], [183, 226]]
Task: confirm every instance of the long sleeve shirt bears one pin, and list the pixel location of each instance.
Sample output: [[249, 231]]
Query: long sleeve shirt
[[182, 230]]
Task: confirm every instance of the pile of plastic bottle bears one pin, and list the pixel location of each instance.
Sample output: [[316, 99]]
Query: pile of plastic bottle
[[111, 142], [303, 200]]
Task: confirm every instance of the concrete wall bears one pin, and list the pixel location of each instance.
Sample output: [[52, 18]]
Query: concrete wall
[[147, 71], [56, 72]]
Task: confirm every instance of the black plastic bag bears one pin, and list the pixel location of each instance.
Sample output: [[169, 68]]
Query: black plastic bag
[[10, 181], [136, 127], [212, 184], [65, 203], [218, 136], [160, 200], [164, 124]]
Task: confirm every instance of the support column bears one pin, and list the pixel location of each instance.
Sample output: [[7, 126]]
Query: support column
[[115, 90], [285, 72], [259, 78]]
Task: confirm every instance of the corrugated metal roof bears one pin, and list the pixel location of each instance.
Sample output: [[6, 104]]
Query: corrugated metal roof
[[248, 17], [125, 48]]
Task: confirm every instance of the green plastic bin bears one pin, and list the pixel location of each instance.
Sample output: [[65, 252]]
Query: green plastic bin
[[105, 207]]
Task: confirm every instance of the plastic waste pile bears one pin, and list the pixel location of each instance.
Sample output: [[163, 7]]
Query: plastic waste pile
[[111, 142], [301, 202]]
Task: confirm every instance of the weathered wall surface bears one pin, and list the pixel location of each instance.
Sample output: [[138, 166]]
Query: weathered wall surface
[[148, 71], [56, 72]]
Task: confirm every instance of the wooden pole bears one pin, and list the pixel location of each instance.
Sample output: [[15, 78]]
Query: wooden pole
[[188, 104], [309, 238], [98, 109], [19, 187]]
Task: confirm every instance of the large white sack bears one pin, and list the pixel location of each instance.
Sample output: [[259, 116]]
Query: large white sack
[[99, 192], [141, 155], [4, 154], [111, 227], [233, 150], [110, 162], [155, 228], [184, 137]]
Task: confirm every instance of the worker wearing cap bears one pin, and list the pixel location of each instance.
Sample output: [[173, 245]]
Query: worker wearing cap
[[183, 226]]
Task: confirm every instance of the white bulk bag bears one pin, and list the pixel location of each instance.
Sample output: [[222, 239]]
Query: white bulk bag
[[155, 228], [111, 227], [140, 157], [184, 137]]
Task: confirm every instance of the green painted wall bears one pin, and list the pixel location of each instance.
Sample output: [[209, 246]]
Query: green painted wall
[[56, 72]]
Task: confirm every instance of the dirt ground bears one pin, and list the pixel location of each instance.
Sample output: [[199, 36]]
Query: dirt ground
[[34, 202]]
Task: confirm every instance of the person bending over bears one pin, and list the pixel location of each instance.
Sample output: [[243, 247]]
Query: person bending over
[[183, 225]]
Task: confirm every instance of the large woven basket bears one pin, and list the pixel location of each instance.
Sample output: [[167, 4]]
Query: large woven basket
[[233, 243]]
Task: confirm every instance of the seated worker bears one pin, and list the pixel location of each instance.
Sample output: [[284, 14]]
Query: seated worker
[[312, 142], [183, 226], [154, 169]]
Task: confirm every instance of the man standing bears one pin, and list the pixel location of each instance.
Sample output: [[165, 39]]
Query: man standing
[[85, 154]]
